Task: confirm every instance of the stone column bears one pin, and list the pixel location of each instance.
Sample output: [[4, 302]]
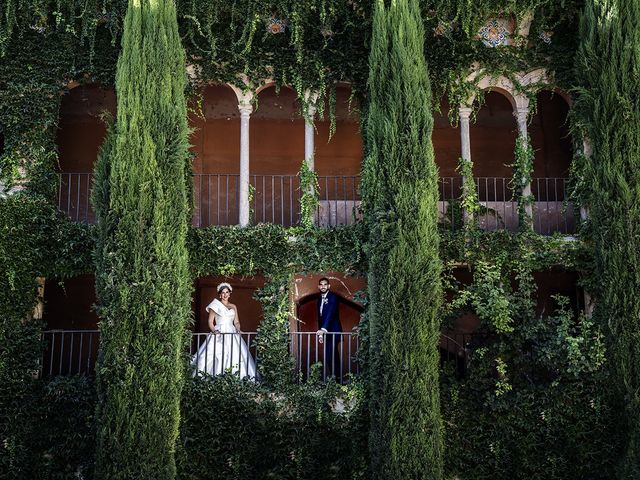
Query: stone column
[[245, 114], [522, 114], [465, 144], [309, 129]]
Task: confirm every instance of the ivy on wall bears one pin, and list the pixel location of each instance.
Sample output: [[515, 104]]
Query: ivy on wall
[[47, 44]]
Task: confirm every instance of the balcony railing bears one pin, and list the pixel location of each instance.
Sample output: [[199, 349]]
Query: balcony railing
[[338, 200], [334, 356], [70, 352], [276, 199], [74, 196], [74, 352], [552, 212], [216, 199]]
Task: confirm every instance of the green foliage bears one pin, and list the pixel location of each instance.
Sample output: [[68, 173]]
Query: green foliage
[[400, 196], [142, 279], [541, 425], [27, 224], [309, 197], [607, 113], [522, 170], [272, 342], [61, 429], [235, 430], [535, 402], [322, 42], [487, 298], [272, 250]]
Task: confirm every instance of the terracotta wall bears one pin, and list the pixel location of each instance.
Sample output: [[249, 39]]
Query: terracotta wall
[[277, 134], [81, 131], [446, 142], [549, 133], [342, 155], [216, 136]]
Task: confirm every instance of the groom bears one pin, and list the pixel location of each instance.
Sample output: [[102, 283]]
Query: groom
[[329, 327]]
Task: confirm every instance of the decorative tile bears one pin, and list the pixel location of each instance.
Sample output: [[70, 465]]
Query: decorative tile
[[276, 25], [495, 32]]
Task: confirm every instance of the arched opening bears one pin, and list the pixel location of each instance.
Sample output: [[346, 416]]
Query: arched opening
[[276, 151], [337, 162], [493, 140], [552, 146], [307, 346], [81, 132], [216, 144]]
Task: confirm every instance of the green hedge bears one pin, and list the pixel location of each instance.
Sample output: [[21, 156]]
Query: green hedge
[[230, 430], [235, 430], [536, 401]]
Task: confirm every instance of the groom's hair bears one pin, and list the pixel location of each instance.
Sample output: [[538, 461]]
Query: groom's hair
[[323, 279]]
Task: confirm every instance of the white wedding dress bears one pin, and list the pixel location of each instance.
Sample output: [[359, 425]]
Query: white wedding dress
[[225, 351]]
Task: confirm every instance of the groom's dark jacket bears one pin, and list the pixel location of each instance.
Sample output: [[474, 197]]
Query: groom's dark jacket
[[329, 319]]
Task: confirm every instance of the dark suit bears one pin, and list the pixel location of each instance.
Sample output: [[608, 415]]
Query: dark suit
[[329, 319]]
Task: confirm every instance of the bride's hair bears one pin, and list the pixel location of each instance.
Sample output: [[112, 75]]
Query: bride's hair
[[222, 286]]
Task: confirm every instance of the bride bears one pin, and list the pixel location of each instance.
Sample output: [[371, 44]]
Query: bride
[[224, 350]]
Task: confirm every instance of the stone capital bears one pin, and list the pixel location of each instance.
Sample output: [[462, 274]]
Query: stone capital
[[465, 112], [246, 109]]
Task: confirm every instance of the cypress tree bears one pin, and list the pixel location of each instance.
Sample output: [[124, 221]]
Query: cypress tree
[[143, 281], [400, 201], [608, 112]]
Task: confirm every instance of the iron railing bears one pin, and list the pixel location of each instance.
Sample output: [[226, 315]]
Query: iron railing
[[276, 199], [552, 212], [338, 200], [70, 352], [216, 199], [74, 196], [74, 352], [324, 356]]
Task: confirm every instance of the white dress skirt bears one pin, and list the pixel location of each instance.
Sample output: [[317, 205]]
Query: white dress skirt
[[225, 351]]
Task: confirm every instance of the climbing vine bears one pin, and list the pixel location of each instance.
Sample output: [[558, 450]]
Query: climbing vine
[[521, 375]]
